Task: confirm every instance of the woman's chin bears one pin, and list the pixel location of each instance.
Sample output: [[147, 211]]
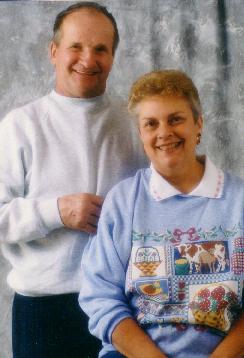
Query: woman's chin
[[168, 167]]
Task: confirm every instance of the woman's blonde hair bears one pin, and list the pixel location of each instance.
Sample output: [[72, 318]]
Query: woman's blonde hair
[[165, 83]]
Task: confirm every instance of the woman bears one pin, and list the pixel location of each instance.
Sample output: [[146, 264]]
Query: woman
[[164, 275]]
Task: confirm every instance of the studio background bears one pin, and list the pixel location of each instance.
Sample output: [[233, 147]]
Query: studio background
[[203, 38]]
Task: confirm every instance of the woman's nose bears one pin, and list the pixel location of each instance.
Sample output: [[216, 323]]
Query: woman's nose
[[164, 130]]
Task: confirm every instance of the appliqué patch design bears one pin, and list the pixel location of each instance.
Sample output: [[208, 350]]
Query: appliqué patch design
[[157, 290], [187, 276], [149, 311], [149, 261], [238, 256], [214, 305], [201, 258]]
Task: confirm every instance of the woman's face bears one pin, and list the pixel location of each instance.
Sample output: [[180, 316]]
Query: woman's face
[[169, 133]]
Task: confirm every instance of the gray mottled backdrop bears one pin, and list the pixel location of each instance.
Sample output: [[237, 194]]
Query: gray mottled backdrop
[[204, 38]]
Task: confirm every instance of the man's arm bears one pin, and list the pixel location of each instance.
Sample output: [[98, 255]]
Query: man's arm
[[233, 344], [22, 218], [130, 340]]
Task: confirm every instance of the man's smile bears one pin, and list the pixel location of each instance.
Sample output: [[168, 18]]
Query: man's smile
[[87, 72]]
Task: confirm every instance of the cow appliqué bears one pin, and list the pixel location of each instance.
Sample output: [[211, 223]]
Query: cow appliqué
[[201, 258]]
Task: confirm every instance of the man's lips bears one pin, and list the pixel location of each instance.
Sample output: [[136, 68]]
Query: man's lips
[[82, 71]]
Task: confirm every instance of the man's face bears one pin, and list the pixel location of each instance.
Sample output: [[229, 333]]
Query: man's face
[[83, 57]]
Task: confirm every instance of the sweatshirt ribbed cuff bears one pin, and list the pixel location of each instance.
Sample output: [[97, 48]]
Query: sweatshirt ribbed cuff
[[49, 215], [113, 323]]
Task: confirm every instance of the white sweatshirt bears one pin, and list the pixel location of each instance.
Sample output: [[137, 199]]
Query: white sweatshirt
[[50, 148]]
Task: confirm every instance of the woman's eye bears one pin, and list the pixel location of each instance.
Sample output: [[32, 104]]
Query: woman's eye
[[175, 119]]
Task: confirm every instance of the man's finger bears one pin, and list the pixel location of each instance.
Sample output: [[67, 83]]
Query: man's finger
[[96, 211], [90, 229], [97, 200], [92, 220]]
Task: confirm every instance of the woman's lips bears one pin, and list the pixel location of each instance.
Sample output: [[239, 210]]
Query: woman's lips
[[169, 146]]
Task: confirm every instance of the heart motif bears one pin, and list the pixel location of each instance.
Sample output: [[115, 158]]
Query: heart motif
[[181, 296], [182, 285]]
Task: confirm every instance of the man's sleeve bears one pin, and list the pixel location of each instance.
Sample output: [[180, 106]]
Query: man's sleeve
[[21, 219], [104, 265]]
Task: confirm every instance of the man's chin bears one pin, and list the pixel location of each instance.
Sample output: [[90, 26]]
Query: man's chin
[[88, 92], [81, 90]]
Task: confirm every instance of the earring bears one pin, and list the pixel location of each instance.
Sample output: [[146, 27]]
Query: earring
[[199, 138]]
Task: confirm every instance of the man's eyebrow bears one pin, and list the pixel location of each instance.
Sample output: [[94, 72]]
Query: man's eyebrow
[[103, 45], [75, 44], [177, 112], [99, 45]]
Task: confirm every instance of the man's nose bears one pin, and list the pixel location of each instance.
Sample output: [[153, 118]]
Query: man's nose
[[88, 58]]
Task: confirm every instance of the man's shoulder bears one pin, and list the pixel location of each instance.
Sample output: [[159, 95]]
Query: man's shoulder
[[37, 104], [116, 99], [119, 116], [34, 109], [118, 104]]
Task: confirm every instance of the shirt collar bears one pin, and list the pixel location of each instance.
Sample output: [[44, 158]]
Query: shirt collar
[[87, 104], [210, 186]]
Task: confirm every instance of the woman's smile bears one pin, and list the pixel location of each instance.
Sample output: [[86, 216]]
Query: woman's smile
[[170, 147]]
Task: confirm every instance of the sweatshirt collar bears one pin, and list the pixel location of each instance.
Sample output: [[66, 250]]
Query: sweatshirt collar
[[210, 186], [87, 104]]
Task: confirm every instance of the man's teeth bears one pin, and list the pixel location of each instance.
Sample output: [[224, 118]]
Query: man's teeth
[[86, 72]]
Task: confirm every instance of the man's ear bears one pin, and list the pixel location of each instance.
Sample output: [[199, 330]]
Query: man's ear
[[139, 131], [52, 52]]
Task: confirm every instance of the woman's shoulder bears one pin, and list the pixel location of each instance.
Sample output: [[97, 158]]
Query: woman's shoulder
[[127, 188], [234, 183], [233, 179]]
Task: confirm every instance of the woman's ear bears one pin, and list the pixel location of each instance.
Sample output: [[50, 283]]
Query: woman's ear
[[200, 123]]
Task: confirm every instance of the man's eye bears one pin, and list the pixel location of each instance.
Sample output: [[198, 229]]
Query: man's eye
[[101, 49], [150, 123], [76, 47]]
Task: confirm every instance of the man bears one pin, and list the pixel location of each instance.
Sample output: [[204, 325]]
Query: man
[[59, 157]]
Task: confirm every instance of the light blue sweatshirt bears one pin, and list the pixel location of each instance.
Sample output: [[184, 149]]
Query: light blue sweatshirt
[[176, 264]]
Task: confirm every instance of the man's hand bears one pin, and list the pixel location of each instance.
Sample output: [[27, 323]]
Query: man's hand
[[80, 211]]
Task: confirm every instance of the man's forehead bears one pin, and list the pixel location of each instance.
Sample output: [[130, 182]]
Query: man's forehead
[[85, 15], [89, 22], [87, 25]]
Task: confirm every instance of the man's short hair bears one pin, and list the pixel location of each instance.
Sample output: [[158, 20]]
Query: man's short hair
[[84, 5]]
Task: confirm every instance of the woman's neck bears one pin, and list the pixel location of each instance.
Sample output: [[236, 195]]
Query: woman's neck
[[187, 179]]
